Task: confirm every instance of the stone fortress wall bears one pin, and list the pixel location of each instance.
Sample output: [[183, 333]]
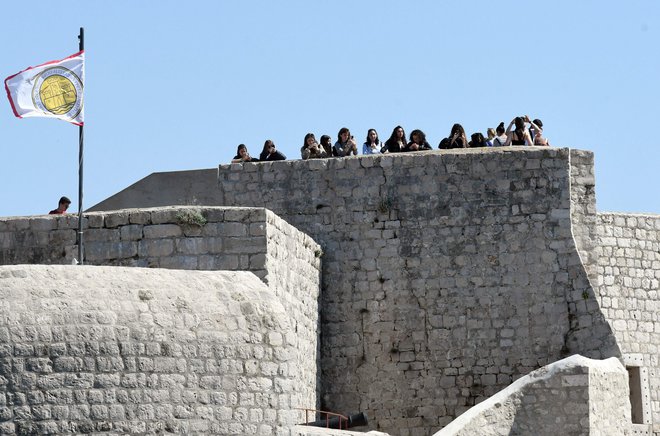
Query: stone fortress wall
[[142, 351], [264, 337], [498, 192], [446, 276]]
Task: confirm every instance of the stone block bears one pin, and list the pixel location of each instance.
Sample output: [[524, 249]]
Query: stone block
[[116, 219], [139, 217], [161, 231], [132, 232], [245, 245], [164, 216], [155, 248]]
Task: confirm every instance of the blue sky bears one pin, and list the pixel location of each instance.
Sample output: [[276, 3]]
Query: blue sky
[[174, 86]]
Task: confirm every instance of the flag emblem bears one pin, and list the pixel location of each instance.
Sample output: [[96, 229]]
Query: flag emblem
[[59, 91], [53, 89]]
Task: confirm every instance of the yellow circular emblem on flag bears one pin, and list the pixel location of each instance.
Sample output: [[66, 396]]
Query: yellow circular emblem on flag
[[57, 94], [58, 91]]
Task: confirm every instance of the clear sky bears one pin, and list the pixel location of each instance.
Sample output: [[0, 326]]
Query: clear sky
[[175, 86]]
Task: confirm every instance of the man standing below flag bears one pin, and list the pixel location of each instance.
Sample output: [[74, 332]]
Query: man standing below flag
[[53, 89], [62, 206]]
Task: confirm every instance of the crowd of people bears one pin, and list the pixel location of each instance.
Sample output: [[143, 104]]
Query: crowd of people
[[521, 131]]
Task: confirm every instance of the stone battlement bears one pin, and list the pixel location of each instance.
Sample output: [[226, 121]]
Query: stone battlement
[[445, 276]]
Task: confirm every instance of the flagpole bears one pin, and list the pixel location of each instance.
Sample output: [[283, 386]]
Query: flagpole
[[81, 39]]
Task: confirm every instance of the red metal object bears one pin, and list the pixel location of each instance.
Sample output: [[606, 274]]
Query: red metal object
[[342, 418]]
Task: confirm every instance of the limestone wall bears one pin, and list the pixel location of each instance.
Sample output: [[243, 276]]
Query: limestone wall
[[87, 349], [243, 239], [576, 396], [629, 272], [446, 276]]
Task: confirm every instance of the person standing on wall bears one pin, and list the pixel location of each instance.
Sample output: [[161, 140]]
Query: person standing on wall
[[456, 138], [417, 141], [519, 136], [62, 206], [397, 141], [311, 149], [345, 145], [536, 131], [270, 153], [372, 145], [242, 155], [326, 143], [501, 137]]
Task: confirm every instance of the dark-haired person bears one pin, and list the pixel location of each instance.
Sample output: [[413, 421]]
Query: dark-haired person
[[372, 145], [397, 141], [477, 140], [242, 155], [345, 145], [501, 137], [326, 143], [520, 136], [311, 149], [417, 141], [270, 153], [536, 131], [62, 206], [456, 138]]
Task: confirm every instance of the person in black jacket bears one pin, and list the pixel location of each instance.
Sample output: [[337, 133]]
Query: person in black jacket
[[326, 143], [242, 155], [417, 141], [478, 140], [397, 141], [456, 139], [270, 153]]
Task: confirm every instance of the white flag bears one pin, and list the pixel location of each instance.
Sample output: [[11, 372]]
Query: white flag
[[53, 89]]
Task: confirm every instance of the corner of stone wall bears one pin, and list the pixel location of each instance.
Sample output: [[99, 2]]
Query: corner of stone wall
[[590, 334], [293, 271]]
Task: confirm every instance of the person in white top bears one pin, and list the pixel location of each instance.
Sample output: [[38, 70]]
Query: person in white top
[[372, 145]]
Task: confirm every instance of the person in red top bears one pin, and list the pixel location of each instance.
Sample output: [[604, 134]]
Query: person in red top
[[62, 206]]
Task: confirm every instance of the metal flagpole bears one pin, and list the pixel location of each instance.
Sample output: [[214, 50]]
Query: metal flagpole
[[81, 39]]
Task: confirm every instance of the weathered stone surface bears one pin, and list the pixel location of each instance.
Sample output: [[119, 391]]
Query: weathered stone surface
[[628, 270], [446, 275], [576, 395], [87, 361]]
